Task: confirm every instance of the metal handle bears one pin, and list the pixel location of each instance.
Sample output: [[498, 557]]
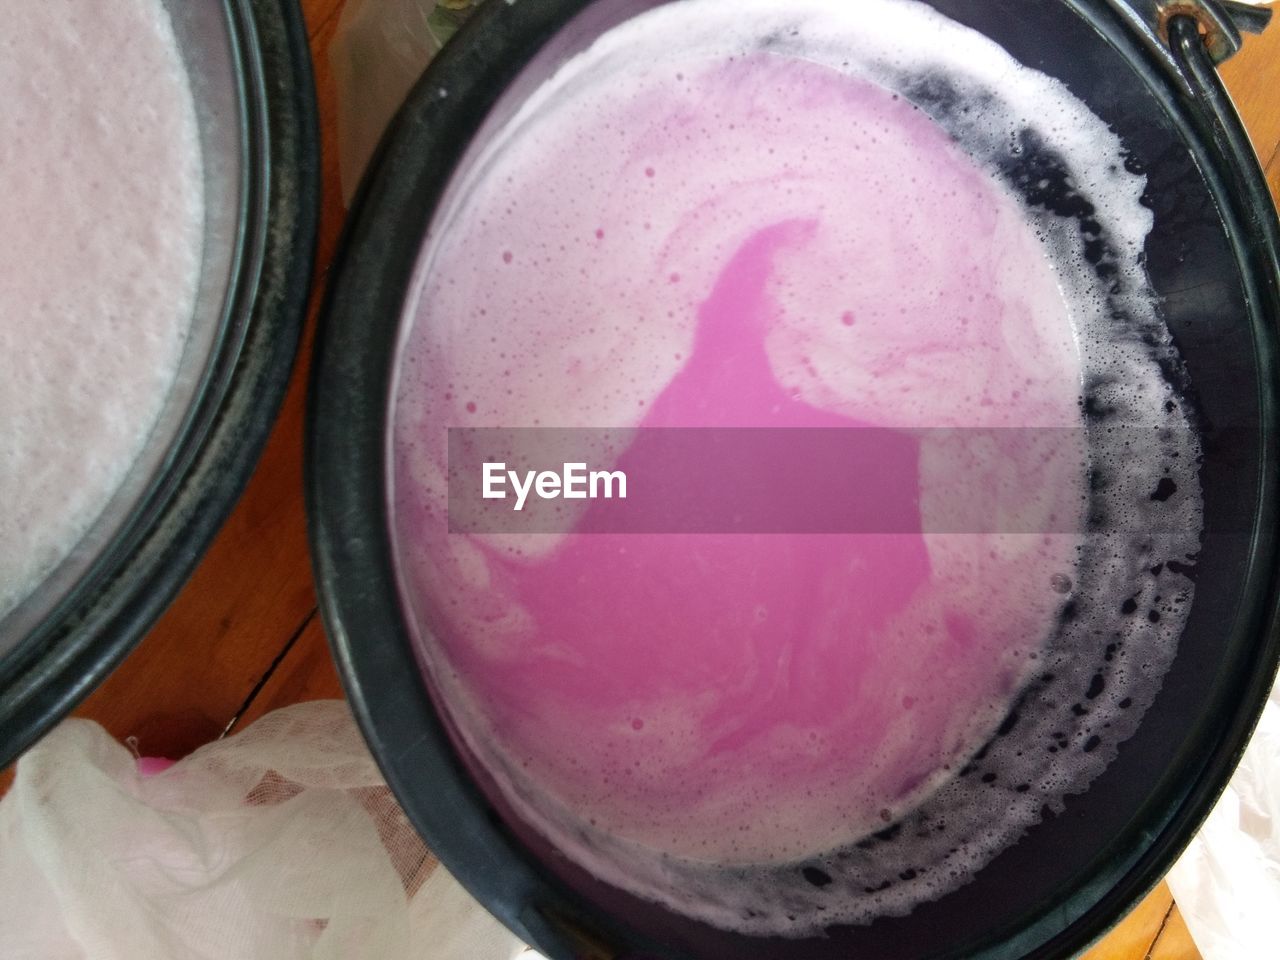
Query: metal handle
[[1248, 17], [1219, 23], [1238, 164]]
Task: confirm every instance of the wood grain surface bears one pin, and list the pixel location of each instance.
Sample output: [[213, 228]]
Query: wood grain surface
[[244, 638]]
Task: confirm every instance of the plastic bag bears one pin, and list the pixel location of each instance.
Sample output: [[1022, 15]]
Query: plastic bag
[[281, 843], [379, 50], [1227, 883]]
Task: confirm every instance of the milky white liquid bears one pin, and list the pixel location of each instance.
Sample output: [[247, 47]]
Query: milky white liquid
[[101, 219], [698, 223]]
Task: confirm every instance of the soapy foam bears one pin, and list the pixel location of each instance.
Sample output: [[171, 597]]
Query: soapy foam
[[102, 207], [1120, 602]]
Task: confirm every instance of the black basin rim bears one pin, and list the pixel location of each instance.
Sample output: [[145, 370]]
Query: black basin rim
[[351, 548]]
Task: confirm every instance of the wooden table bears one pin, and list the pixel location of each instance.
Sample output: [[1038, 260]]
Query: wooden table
[[244, 637]]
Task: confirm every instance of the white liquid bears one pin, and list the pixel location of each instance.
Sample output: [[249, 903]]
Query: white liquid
[[101, 224]]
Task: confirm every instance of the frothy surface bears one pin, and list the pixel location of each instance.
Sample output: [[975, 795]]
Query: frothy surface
[[733, 234], [101, 211]]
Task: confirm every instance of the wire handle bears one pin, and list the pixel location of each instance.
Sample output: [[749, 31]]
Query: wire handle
[[1219, 23]]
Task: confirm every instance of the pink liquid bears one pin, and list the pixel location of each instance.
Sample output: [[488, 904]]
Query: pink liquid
[[741, 244]]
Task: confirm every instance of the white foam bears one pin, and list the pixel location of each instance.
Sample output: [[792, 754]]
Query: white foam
[[101, 209]]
